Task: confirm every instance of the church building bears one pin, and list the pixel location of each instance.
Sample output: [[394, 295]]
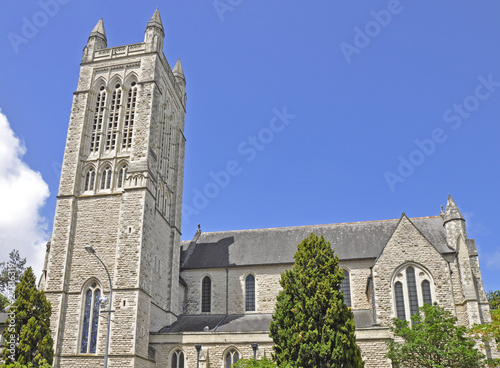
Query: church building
[[206, 302]]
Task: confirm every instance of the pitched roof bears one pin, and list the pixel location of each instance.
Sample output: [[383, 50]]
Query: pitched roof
[[355, 240], [257, 322]]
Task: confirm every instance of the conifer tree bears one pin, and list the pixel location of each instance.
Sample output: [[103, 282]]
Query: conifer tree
[[312, 326], [27, 332]]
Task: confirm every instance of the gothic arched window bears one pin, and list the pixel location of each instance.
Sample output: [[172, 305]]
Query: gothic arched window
[[122, 173], [114, 116], [90, 180], [177, 359], [345, 288], [106, 178], [128, 126], [90, 319], [250, 293], [232, 356], [412, 287], [400, 300], [100, 105], [206, 294], [426, 292]]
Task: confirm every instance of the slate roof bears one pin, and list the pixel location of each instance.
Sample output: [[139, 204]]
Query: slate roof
[[355, 240], [243, 322]]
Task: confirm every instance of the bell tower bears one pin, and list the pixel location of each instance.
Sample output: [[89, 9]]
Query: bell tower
[[121, 193]]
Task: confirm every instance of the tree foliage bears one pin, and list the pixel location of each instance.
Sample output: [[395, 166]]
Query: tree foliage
[[433, 340], [254, 363], [42, 364], [494, 299], [489, 333], [11, 272], [4, 303], [311, 326], [27, 332]]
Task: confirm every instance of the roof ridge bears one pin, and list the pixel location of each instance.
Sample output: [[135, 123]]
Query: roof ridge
[[306, 226]]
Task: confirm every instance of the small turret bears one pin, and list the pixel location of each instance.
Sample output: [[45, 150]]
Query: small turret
[[454, 223], [179, 76], [97, 41], [154, 34]]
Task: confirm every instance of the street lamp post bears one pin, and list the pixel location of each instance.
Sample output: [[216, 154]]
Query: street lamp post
[[91, 250]]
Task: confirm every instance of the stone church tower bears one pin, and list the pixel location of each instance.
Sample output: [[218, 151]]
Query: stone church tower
[[121, 193]]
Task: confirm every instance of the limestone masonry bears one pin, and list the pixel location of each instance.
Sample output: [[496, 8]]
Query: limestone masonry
[[211, 298]]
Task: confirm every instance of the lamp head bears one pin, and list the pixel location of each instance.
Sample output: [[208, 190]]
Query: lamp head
[[89, 249]]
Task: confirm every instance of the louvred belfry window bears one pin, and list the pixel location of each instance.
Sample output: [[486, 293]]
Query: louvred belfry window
[[97, 126], [114, 116], [128, 125]]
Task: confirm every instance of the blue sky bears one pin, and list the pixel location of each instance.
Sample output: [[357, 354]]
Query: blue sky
[[390, 106]]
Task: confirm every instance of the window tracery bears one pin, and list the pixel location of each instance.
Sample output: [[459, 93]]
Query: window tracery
[[90, 324]]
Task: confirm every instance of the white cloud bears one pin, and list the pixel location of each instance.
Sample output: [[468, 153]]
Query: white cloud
[[22, 194]]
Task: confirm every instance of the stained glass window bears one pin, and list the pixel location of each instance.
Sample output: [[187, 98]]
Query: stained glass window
[[232, 357], [407, 295], [206, 294], [345, 288], [250, 293], [412, 290], [426, 292], [90, 320], [178, 359], [400, 301]]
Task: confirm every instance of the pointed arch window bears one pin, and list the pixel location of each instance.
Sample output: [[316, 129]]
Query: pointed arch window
[[178, 359], [206, 294], [106, 178], [95, 138], [345, 288], [232, 356], [90, 180], [122, 174], [114, 116], [90, 324], [412, 290], [128, 126], [426, 292], [412, 287], [250, 293], [400, 301]]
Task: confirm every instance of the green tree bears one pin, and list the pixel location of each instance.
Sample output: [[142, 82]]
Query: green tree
[[254, 363], [433, 340], [489, 333], [4, 303], [494, 299], [312, 326], [42, 364], [27, 332], [11, 272]]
